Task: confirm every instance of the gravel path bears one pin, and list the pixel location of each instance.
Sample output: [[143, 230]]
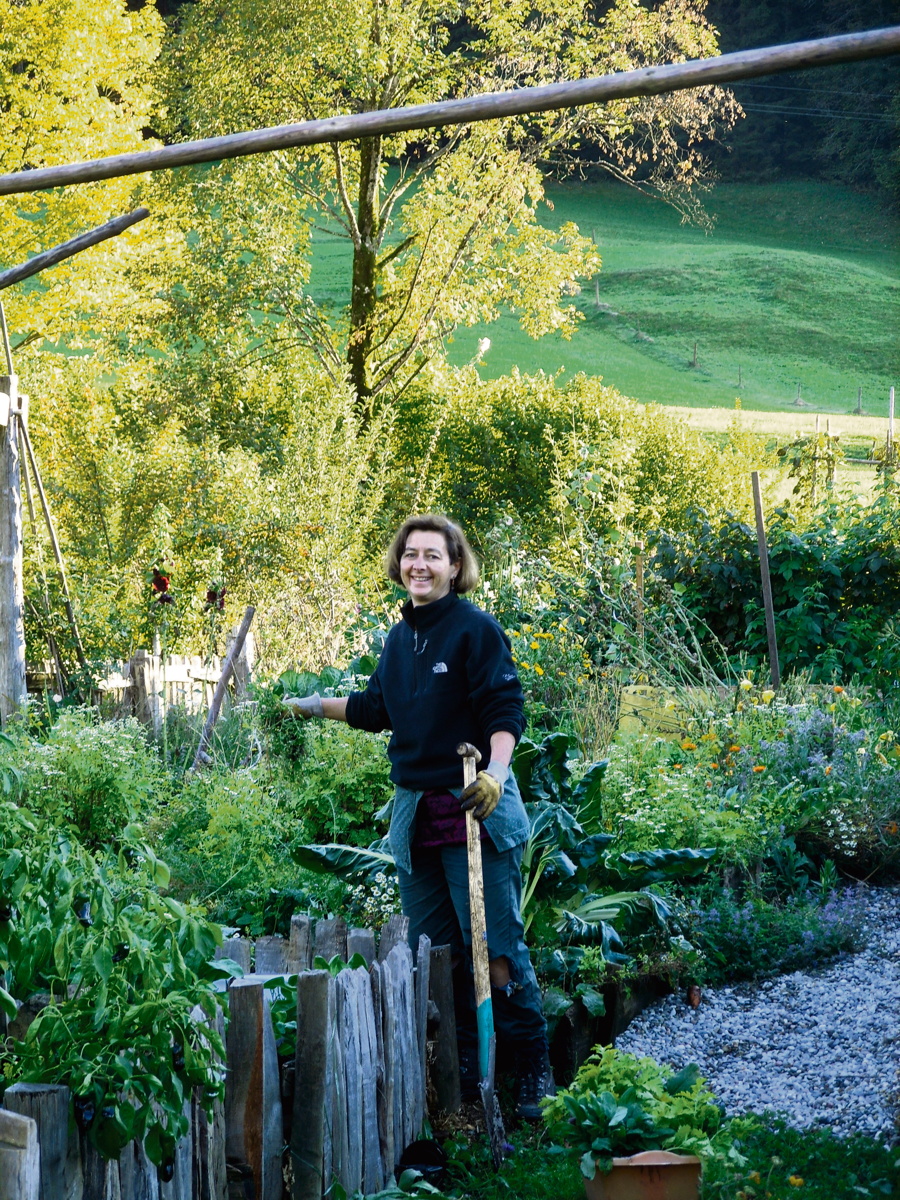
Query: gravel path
[[822, 1047]]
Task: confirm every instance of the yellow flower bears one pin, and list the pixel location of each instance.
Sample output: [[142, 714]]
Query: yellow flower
[[831, 707], [745, 685], [676, 766], [514, 633], [539, 670], [525, 666], [687, 744], [768, 696], [535, 645], [795, 1181], [755, 1177], [829, 769], [527, 628]]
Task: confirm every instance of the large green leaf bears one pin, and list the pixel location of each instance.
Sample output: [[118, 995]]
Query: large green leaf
[[587, 791], [542, 771], [641, 867], [344, 861]]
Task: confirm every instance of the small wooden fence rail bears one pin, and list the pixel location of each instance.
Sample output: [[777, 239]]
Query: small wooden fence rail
[[343, 1107]]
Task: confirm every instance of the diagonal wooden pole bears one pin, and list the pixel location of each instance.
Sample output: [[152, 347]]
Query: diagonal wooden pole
[[49, 258], [648, 81], [762, 545]]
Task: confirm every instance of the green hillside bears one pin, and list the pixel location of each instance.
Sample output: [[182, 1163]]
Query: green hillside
[[798, 283]]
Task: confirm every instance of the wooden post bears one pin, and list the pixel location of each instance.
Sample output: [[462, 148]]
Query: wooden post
[[54, 542], [361, 941], [774, 668], [244, 662], [48, 1106], [219, 693], [445, 1076], [271, 956], [299, 952], [395, 932], [423, 987], [858, 401], [694, 362], [253, 1119], [12, 592], [20, 1168], [308, 1125], [331, 939], [890, 432]]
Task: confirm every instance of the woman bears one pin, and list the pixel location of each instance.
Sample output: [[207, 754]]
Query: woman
[[446, 676]]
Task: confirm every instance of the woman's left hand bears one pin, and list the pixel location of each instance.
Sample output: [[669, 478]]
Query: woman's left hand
[[482, 796]]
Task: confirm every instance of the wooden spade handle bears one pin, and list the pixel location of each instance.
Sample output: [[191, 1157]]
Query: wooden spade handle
[[471, 757]]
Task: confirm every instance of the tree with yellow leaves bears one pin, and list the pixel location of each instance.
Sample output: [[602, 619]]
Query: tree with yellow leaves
[[74, 84], [441, 224]]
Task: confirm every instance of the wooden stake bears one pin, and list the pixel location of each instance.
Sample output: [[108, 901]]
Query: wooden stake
[[12, 592], [57, 553], [647, 81], [219, 694], [774, 669], [49, 258]]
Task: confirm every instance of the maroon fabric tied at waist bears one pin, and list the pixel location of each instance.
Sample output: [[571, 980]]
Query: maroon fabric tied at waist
[[440, 821]]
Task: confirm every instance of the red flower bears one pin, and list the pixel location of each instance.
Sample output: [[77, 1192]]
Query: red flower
[[160, 582], [215, 598]]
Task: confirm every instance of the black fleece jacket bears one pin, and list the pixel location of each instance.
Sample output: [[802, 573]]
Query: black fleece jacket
[[445, 676]]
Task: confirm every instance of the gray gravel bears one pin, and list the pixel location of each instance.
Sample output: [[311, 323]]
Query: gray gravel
[[822, 1046]]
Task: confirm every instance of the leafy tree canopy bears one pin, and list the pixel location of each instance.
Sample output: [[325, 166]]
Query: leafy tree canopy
[[74, 84], [441, 224]]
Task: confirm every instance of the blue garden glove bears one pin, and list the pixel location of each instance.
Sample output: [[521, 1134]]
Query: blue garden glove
[[483, 796]]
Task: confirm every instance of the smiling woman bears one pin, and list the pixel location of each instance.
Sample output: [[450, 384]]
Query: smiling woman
[[446, 676]]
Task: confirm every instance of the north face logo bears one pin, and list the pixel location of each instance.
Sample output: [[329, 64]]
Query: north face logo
[[440, 668]]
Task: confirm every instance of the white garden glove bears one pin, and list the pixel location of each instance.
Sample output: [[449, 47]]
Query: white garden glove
[[305, 706]]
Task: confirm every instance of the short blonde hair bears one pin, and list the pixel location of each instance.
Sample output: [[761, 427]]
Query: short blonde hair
[[458, 548]]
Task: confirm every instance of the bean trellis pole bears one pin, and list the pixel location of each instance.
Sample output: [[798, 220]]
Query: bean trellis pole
[[647, 81]]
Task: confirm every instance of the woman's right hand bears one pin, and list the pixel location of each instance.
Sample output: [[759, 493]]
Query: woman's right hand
[[305, 706]]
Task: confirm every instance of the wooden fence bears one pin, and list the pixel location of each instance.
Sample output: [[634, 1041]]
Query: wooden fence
[[149, 684], [343, 1106]]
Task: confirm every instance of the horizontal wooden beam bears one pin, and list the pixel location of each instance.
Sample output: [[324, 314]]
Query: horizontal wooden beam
[[49, 258], [648, 81]]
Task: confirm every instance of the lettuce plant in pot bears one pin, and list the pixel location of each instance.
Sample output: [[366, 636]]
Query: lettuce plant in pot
[[642, 1131]]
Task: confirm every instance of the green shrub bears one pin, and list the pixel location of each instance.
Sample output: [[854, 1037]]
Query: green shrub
[[756, 938], [123, 967], [619, 1105], [96, 776]]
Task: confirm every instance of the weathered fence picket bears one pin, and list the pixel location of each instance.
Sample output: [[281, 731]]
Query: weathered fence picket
[[358, 1097]]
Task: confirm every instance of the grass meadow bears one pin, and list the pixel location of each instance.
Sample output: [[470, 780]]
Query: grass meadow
[[796, 284]]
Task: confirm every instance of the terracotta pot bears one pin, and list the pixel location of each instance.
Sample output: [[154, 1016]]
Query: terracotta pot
[[651, 1175]]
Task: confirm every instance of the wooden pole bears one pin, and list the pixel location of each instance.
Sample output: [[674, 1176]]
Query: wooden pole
[[219, 693], [308, 1125], [12, 592], [774, 669], [49, 258], [647, 81], [54, 542]]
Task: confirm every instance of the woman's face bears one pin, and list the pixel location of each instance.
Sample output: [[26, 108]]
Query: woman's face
[[425, 566]]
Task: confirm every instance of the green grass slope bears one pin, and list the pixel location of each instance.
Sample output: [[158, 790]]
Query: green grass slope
[[797, 284]]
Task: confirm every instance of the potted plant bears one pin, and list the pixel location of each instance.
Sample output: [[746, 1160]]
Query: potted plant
[[643, 1131]]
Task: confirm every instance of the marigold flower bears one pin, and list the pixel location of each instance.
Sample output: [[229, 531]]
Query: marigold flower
[[829, 769], [838, 690], [534, 645], [733, 749], [795, 1180], [759, 768], [676, 766], [538, 669], [892, 828], [687, 744]]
